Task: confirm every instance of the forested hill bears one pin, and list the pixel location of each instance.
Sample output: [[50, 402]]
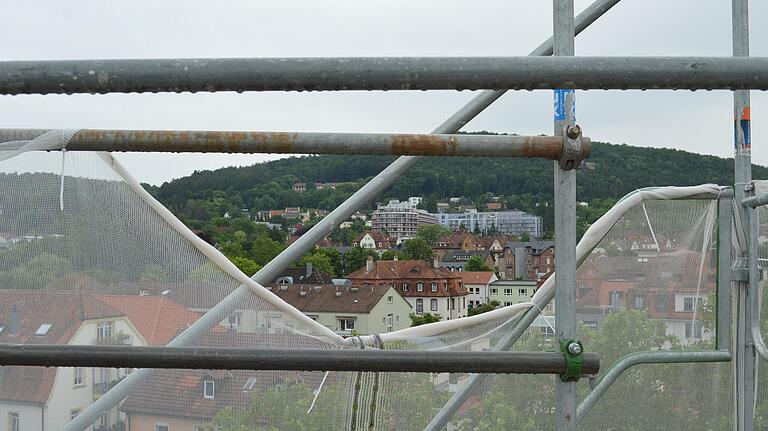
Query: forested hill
[[618, 170]]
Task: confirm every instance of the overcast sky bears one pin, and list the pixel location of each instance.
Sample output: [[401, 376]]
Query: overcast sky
[[700, 122]]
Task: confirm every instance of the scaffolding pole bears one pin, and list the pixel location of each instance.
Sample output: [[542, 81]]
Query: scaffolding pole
[[176, 141], [744, 349], [218, 358], [565, 224], [382, 73]]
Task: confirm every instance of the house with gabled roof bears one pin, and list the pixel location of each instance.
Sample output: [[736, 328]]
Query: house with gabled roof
[[348, 309], [428, 288], [36, 398]]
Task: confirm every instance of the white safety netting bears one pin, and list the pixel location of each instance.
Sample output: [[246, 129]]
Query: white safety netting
[[87, 256]]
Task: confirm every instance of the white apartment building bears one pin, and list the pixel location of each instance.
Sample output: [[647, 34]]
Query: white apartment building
[[511, 222], [401, 219]]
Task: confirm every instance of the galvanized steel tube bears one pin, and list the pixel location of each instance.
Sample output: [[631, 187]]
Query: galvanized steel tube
[[657, 357], [381, 73], [218, 358]]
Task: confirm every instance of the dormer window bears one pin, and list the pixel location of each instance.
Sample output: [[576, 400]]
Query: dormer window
[[419, 287], [209, 389]]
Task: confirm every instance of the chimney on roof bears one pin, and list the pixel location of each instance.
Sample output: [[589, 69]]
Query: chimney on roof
[[369, 263], [309, 268], [435, 262]]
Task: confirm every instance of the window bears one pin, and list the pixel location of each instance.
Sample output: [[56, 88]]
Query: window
[[405, 287], [434, 287], [522, 292], [693, 330], [453, 303], [74, 413], [103, 330], [445, 286], [161, 427], [691, 304], [389, 299], [13, 421], [661, 303], [419, 287], [209, 389], [234, 320], [433, 304], [249, 384], [507, 291], [639, 302], [78, 379], [494, 291], [43, 329], [419, 306], [615, 300], [347, 324]]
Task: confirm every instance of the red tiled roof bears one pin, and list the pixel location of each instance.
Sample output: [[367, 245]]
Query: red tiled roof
[[157, 318], [476, 277], [21, 314], [399, 269]]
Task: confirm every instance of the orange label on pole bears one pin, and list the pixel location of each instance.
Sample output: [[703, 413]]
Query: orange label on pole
[[745, 114]]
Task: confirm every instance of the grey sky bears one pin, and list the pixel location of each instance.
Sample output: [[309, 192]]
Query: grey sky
[[699, 122]]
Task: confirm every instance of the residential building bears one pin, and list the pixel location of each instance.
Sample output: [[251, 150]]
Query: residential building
[[510, 292], [527, 260], [348, 309], [509, 222], [401, 219], [477, 284], [427, 288], [188, 400], [455, 260], [375, 240], [668, 286], [299, 187], [36, 398], [460, 240]]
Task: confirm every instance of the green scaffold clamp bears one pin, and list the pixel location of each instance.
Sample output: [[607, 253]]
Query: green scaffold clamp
[[574, 357]]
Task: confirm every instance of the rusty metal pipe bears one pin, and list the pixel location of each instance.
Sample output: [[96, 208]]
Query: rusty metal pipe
[[176, 141]]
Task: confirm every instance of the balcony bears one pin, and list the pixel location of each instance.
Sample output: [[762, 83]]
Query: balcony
[[119, 339]]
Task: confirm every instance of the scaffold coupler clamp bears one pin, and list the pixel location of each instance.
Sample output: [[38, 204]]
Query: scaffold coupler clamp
[[574, 358], [576, 148]]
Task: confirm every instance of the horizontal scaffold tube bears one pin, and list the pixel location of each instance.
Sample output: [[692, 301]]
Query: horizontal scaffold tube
[[291, 359], [382, 73], [549, 147]]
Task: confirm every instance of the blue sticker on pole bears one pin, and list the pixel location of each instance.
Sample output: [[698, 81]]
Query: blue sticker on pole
[[561, 95]]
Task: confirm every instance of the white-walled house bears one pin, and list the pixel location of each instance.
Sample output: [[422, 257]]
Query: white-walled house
[[476, 283], [37, 398]]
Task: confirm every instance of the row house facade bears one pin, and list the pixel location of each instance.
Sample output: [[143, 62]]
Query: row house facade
[[427, 288], [527, 260]]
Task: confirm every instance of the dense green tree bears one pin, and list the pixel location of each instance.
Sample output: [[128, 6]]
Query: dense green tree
[[320, 261], [417, 249], [432, 232], [355, 258], [417, 320], [475, 263], [484, 308], [263, 249], [248, 266], [391, 254]]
